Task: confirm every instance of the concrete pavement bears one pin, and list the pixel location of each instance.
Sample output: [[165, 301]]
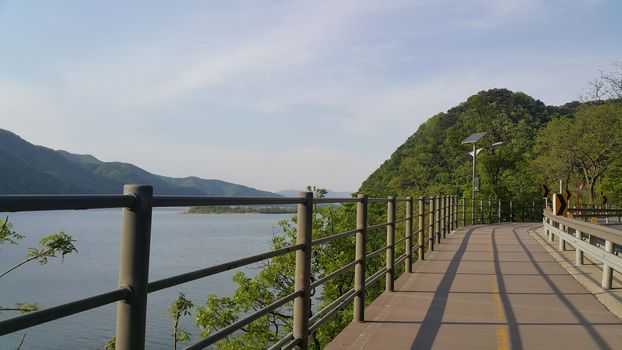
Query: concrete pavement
[[486, 287]]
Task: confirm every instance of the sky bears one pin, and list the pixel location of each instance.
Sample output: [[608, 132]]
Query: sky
[[280, 94]]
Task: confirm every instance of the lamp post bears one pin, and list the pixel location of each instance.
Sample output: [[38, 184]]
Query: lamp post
[[475, 182]]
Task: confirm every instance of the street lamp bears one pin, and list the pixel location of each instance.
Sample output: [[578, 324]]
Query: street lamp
[[475, 185], [473, 139]]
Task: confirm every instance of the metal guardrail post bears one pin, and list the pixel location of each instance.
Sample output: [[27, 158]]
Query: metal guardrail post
[[431, 224], [134, 268], [481, 211], [464, 211], [489, 211], [578, 252], [438, 219], [302, 281], [408, 243], [473, 211], [607, 270], [443, 200], [511, 212], [499, 211], [421, 233], [389, 261], [562, 241], [359, 256]]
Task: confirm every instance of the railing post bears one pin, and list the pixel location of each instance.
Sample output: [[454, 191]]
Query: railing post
[[456, 224], [489, 211], [578, 252], [302, 281], [607, 270], [134, 268], [481, 211], [408, 243], [421, 233], [562, 241], [443, 216], [464, 212], [359, 256], [390, 245], [511, 212], [451, 213], [499, 211], [438, 219], [473, 211], [431, 224]]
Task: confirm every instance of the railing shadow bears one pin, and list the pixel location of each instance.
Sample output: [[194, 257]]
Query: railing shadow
[[433, 319], [600, 341]]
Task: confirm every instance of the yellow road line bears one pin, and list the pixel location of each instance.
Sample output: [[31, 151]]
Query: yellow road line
[[502, 330]]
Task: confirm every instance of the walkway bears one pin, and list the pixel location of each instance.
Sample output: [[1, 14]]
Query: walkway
[[486, 287]]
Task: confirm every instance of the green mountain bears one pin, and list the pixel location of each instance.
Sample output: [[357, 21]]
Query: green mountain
[[434, 160], [29, 169]]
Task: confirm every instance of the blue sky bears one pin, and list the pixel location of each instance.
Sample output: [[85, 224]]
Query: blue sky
[[280, 94]]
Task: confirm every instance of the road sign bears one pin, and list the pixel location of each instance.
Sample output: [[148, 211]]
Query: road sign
[[560, 206], [604, 199], [567, 195], [544, 191]]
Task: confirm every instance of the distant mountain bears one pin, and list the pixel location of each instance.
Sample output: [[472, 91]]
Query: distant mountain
[[30, 169], [330, 194]]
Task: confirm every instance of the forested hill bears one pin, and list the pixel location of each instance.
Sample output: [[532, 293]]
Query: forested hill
[[29, 169], [433, 160]]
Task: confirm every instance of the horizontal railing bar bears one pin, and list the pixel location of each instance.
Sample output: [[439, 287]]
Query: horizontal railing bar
[[601, 255], [400, 258], [604, 232], [279, 345], [375, 277], [185, 201], [194, 275], [376, 252], [13, 203], [292, 344], [336, 200], [414, 248], [401, 240], [333, 274], [375, 227], [334, 237], [330, 306], [401, 220], [54, 313], [205, 342], [331, 312], [378, 200]]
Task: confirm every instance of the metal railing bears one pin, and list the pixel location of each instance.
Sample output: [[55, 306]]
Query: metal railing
[[489, 211], [600, 243], [137, 201]]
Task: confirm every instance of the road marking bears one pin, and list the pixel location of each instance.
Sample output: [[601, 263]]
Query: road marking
[[502, 330]]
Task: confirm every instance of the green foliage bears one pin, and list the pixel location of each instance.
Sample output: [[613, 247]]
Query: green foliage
[[111, 344], [179, 308], [276, 280], [434, 160], [51, 246], [7, 235]]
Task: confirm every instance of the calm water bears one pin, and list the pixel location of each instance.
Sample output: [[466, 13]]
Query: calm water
[[179, 243]]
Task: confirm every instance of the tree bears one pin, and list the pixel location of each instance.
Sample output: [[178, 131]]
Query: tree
[[607, 86], [275, 280], [49, 247], [179, 308]]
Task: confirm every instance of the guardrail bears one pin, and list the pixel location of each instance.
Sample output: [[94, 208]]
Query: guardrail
[[489, 211], [584, 237], [436, 216], [587, 213]]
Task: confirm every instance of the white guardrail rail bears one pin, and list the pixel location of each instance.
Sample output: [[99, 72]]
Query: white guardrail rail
[[598, 242]]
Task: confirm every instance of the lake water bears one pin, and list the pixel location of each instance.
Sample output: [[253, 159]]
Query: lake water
[[179, 243]]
